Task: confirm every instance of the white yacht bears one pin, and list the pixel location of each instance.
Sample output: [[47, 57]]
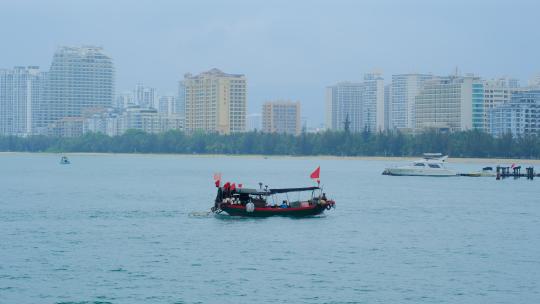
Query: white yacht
[[431, 165]]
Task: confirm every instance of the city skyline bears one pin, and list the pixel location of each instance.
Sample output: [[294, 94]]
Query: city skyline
[[286, 52], [76, 96]]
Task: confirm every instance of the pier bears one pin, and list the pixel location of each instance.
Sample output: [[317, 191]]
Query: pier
[[515, 172]]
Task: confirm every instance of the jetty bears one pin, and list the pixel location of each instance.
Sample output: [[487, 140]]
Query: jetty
[[515, 172]]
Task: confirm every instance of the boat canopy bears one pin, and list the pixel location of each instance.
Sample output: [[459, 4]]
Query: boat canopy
[[272, 191], [285, 190], [249, 191]]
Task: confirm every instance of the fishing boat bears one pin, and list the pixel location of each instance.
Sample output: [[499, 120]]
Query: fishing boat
[[64, 160], [432, 164], [264, 202]]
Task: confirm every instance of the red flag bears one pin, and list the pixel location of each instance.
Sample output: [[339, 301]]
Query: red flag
[[233, 186], [316, 174], [239, 185], [227, 186], [217, 178]]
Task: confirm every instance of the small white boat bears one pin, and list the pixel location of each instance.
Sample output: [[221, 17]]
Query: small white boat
[[64, 160], [431, 165], [486, 172]]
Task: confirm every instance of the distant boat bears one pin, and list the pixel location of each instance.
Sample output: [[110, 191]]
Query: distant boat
[[432, 164], [486, 172], [64, 160]]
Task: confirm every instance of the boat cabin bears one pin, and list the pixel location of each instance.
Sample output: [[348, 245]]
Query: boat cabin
[[269, 198]]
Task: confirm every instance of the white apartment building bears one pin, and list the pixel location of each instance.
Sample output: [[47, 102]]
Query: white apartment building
[[80, 78], [535, 81], [124, 100], [20, 97], [144, 96], [281, 117], [403, 92], [169, 105], [452, 103], [519, 117], [181, 99], [497, 92], [388, 107], [215, 102], [254, 122], [362, 104], [132, 118]]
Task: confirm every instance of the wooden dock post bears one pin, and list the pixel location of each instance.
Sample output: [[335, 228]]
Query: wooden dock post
[[517, 171], [530, 173]]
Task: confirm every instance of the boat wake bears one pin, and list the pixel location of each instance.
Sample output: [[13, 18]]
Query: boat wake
[[200, 214]]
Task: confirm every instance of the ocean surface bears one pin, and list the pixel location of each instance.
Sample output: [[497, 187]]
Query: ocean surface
[[130, 229]]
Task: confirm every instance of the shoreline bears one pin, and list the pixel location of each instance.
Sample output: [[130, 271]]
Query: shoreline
[[327, 157]]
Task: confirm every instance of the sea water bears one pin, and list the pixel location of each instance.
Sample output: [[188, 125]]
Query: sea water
[[132, 229]]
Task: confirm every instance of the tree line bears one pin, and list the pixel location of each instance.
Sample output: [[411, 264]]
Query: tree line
[[338, 143]]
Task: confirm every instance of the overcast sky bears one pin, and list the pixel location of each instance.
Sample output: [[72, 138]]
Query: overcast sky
[[287, 49]]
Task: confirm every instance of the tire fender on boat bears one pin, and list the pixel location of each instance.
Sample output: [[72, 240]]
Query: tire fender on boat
[[250, 207]]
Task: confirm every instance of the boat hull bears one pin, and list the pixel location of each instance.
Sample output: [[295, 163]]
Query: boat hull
[[419, 172], [239, 210]]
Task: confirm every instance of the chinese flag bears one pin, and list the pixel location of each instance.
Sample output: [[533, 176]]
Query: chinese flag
[[227, 186], [233, 186], [316, 174]]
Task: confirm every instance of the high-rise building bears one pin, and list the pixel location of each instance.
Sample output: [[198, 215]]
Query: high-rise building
[[144, 96], [253, 122], [124, 100], [374, 101], [451, 103], [497, 92], [519, 117], [535, 81], [405, 88], [360, 105], [215, 102], [80, 78], [20, 96], [281, 117], [388, 107], [344, 106], [168, 105], [181, 99]]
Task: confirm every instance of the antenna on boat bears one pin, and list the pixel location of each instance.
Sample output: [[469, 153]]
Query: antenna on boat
[[260, 185]]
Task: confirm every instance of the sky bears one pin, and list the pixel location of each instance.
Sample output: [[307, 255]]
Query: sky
[[287, 49]]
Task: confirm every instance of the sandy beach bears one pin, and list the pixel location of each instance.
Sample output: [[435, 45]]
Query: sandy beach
[[374, 158]]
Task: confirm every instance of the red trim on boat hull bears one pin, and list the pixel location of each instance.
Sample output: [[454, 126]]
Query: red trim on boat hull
[[240, 210]]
